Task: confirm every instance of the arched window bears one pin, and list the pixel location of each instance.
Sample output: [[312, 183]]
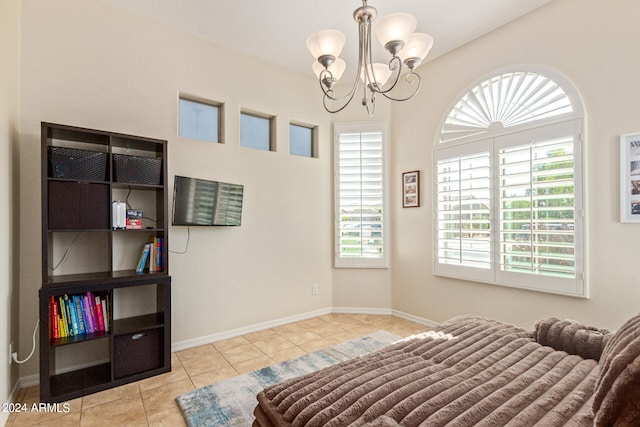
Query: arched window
[[508, 184]]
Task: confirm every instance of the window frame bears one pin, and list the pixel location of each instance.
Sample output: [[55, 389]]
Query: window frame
[[493, 139], [362, 262], [209, 103], [272, 129], [313, 142]]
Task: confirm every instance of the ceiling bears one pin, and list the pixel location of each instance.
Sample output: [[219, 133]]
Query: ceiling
[[276, 30]]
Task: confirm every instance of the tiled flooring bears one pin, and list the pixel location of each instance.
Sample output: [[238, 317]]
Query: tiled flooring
[[151, 402]]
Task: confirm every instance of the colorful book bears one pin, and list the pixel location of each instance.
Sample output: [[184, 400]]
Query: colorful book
[[143, 259], [99, 313], [105, 315], [65, 324], [55, 325], [78, 305], [87, 311], [92, 310], [72, 315], [152, 257]]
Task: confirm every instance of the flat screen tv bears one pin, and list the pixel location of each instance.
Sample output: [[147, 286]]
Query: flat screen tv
[[202, 202]]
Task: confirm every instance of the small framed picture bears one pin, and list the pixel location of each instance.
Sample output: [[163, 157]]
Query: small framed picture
[[630, 177], [411, 189]]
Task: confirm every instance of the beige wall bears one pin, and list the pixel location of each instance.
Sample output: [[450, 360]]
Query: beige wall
[[9, 122], [591, 43], [90, 65], [364, 289]]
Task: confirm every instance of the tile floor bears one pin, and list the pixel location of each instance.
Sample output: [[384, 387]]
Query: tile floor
[[150, 402]]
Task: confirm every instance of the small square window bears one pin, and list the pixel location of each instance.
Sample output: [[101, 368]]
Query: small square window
[[199, 120], [301, 141], [255, 132]]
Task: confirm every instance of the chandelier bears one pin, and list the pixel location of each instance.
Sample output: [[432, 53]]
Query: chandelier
[[396, 33]]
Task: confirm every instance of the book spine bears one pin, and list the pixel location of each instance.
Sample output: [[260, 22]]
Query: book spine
[[156, 242], [105, 315], [65, 302], [99, 313], [78, 305], [152, 254], [53, 307], [73, 314], [143, 259], [87, 311], [63, 315], [92, 308]]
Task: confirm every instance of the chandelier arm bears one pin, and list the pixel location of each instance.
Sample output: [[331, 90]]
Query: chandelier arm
[[395, 64], [410, 79], [329, 94]]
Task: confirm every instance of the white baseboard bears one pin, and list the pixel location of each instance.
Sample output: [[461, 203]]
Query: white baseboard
[[360, 310], [13, 398], [411, 317], [208, 339], [29, 381]]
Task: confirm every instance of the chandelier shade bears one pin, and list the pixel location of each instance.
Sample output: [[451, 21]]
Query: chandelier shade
[[380, 76], [416, 48], [326, 42], [395, 27], [395, 32], [336, 68]]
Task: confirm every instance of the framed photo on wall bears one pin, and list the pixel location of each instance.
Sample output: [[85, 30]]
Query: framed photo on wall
[[411, 189], [630, 177]]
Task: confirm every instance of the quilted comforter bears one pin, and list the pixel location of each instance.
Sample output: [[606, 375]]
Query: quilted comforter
[[468, 371]]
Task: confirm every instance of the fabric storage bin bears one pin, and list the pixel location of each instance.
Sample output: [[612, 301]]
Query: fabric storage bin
[[138, 352]]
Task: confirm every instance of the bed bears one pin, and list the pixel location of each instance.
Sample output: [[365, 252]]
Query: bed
[[473, 371]]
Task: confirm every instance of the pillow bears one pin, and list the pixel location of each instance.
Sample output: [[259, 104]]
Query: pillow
[[616, 401], [574, 338]]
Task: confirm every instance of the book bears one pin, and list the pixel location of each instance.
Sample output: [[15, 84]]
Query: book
[[152, 256], [142, 262], [105, 315], [87, 311], [63, 314], [55, 325], [78, 306], [73, 315], [99, 315], [92, 310]]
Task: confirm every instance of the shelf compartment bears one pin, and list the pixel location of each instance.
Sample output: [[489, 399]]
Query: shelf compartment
[[58, 342], [131, 325], [77, 383]]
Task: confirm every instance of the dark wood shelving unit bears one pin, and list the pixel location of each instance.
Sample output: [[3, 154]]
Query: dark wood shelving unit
[[77, 197]]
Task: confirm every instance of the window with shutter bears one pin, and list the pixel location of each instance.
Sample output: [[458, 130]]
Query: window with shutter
[[509, 192], [360, 195]]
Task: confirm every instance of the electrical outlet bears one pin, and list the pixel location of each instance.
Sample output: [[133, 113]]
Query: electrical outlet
[[10, 353], [314, 289]]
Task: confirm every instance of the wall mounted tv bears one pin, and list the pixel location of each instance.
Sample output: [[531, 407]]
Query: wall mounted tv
[[202, 202]]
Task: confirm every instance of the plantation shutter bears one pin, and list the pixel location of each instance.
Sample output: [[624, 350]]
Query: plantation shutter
[[360, 198], [463, 212], [538, 196]]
